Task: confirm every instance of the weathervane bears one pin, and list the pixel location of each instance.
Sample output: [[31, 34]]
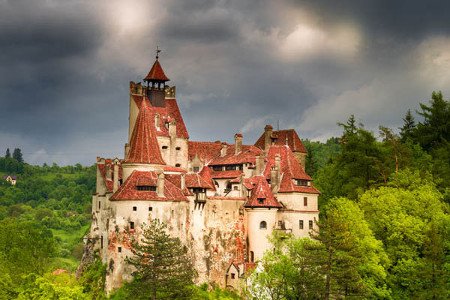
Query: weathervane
[[157, 52]]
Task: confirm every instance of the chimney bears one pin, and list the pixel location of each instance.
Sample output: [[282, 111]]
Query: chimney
[[116, 175], [275, 173], [259, 165], [172, 129], [267, 137], [223, 151], [237, 143], [183, 181], [160, 185], [157, 122]]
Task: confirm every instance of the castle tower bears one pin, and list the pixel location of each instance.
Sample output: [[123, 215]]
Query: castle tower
[[156, 81]]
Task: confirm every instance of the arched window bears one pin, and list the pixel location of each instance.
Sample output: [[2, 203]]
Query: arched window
[[263, 225]]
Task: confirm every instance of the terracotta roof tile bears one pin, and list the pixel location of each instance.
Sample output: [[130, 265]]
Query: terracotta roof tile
[[289, 164], [156, 73], [284, 137], [103, 169], [128, 190], [262, 195], [247, 155], [226, 174], [194, 180], [167, 113], [206, 151], [143, 144]]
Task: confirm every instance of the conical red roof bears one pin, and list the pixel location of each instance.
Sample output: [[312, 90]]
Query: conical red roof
[[156, 73], [143, 144]]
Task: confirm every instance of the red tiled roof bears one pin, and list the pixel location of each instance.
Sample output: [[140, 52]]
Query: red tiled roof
[[156, 73], [103, 167], [226, 174], [173, 169], [144, 147], [287, 186], [194, 180], [170, 111], [289, 164], [206, 151], [262, 191], [128, 190], [280, 137], [247, 155], [205, 173]]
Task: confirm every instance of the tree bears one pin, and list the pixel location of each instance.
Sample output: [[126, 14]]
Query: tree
[[163, 269], [435, 128], [350, 259], [408, 128], [8, 153], [17, 155]]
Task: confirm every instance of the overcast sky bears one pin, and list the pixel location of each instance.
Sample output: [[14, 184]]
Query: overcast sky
[[65, 67]]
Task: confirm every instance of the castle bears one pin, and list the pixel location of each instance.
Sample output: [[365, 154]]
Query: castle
[[222, 200]]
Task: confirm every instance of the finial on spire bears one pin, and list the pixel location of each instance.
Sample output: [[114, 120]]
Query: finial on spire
[[157, 52]]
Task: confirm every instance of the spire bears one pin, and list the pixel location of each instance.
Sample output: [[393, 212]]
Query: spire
[[143, 144], [156, 74]]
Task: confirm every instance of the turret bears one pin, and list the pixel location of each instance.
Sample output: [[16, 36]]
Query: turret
[[156, 81]]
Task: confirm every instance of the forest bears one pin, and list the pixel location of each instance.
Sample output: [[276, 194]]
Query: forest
[[384, 227]]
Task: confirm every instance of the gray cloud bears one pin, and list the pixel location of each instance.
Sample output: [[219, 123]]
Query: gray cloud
[[65, 67]]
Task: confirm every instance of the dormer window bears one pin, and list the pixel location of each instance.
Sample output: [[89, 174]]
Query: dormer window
[[260, 200], [198, 190], [301, 182], [196, 169], [146, 188]]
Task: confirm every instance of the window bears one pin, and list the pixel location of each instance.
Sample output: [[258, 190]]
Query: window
[[230, 167], [196, 169], [101, 242], [99, 204], [150, 208], [301, 182], [236, 188], [232, 275], [146, 188], [260, 200], [310, 224], [119, 249], [164, 147], [300, 224], [263, 225], [134, 208], [198, 190], [131, 225], [305, 201], [217, 168], [252, 256], [177, 148], [177, 165]]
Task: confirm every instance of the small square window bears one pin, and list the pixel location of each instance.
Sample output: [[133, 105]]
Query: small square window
[[177, 165], [300, 224], [260, 200], [196, 169], [232, 276], [236, 188], [134, 208], [119, 249], [177, 148], [311, 224], [150, 208]]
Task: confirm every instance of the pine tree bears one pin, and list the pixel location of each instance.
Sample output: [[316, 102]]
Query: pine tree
[[163, 269], [17, 155], [8, 153], [409, 125]]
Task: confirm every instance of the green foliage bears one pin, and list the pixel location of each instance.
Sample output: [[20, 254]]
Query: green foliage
[[405, 218], [93, 280], [320, 154], [163, 269], [49, 286], [215, 293]]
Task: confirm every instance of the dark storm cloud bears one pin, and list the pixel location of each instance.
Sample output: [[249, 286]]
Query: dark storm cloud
[[400, 19], [237, 65]]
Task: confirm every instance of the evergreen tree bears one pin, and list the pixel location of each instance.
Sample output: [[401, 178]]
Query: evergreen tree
[[435, 129], [8, 153], [409, 125], [163, 269], [17, 155]]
